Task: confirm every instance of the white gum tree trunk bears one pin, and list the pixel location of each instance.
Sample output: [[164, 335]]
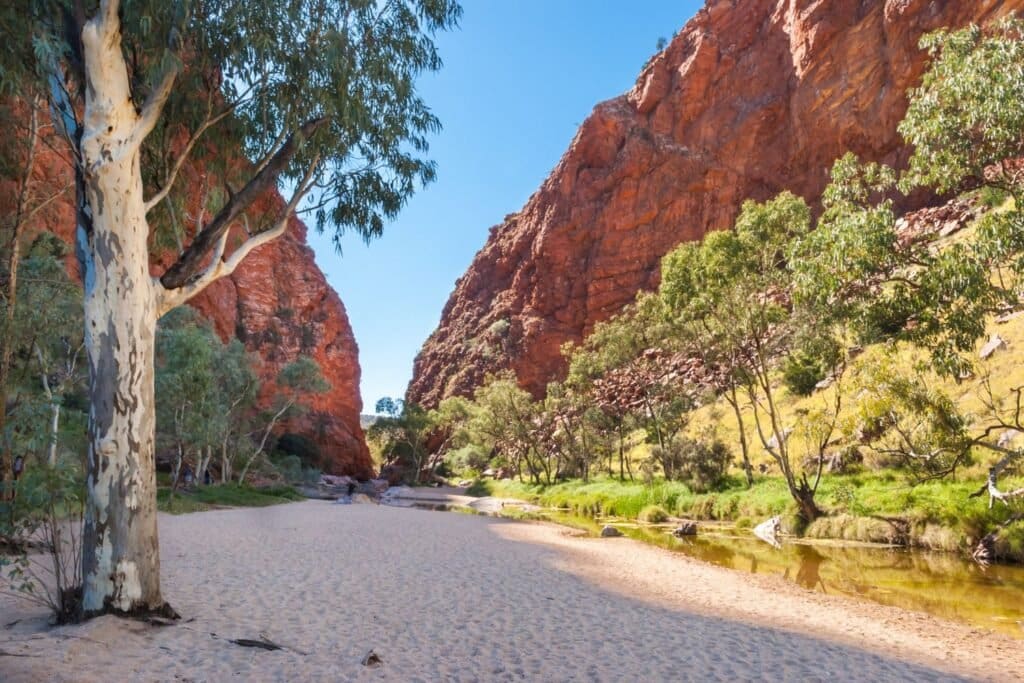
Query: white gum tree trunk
[[121, 569], [121, 554]]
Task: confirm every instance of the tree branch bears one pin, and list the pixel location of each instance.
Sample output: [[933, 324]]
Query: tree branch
[[218, 268], [183, 157], [991, 483], [183, 271], [154, 106], [108, 14]]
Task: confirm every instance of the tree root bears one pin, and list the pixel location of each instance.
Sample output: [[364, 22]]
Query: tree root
[[985, 552], [139, 612]]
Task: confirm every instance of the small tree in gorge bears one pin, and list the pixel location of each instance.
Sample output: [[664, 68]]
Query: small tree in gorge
[[402, 428], [967, 128], [296, 379], [321, 96], [732, 291]]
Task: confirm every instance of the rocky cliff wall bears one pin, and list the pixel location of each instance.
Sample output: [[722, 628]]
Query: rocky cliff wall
[[752, 97]]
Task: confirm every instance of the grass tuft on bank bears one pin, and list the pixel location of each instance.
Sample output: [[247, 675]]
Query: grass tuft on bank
[[224, 495]]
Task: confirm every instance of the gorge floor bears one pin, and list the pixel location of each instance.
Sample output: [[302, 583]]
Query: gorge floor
[[459, 597]]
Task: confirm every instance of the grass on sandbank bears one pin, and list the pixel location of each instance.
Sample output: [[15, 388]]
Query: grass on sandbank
[[224, 495]]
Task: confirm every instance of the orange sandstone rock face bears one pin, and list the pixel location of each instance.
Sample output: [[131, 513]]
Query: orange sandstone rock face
[[751, 98], [279, 304]]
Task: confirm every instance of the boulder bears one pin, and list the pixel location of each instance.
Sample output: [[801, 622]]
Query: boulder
[[1007, 437], [610, 532], [994, 343], [768, 531], [363, 499], [331, 480], [773, 442], [685, 528]]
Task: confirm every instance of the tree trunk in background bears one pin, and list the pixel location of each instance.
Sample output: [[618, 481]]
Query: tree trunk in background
[[225, 463], [203, 461], [734, 400], [7, 338], [121, 555]]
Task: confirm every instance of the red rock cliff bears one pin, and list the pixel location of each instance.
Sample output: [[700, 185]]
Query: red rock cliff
[[279, 304], [752, 97]]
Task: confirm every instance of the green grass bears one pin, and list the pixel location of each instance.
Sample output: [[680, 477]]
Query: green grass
[[881, 507], [224, 495]]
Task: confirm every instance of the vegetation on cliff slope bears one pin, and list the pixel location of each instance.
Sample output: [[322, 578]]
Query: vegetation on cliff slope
[[835, 359]]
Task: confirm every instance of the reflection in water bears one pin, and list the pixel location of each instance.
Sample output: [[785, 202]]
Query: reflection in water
[[808, 574], [943, 584]]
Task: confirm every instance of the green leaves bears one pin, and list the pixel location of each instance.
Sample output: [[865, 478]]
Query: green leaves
[[303, 375], [203, 387], [354, 63], [854, 243], [964, 121], [966, 114], [730, 294]]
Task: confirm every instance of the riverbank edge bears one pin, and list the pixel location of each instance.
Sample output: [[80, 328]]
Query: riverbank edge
[[912, 529]]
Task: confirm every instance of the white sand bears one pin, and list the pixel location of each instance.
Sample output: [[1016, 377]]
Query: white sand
[[450, 597]]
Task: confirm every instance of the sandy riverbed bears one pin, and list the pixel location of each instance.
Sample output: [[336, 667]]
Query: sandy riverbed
[[451, 597]]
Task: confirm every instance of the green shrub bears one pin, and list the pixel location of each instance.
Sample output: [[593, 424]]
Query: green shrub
[[653, 514], [704, 465], [478, 488], [470, 458], [801, 374], [47, 510]]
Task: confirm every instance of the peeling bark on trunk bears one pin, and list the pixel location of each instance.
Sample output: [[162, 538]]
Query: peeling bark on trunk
[[121, 555]]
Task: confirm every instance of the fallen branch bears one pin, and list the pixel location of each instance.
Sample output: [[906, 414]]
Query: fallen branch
[[261, 644], [991, 483]]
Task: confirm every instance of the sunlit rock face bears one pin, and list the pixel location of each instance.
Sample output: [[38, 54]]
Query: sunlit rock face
[[277, 302], [752, 97]]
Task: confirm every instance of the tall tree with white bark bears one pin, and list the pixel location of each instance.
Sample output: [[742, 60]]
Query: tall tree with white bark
[[319, 94]]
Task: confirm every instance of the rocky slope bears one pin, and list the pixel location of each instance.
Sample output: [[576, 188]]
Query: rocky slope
[[277, 302], [750, 98]]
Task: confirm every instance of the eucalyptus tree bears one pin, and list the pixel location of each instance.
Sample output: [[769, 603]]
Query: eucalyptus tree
[[23, 114], [238, 386], [321, 98], [967, 130], [188, 395], [508, 422], [623, 367], [403, 429], [293, 383], [449, 422], [45, 341], [688, 291], [733, 292]]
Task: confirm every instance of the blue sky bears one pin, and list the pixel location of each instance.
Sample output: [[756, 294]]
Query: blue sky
[[519, 78]]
